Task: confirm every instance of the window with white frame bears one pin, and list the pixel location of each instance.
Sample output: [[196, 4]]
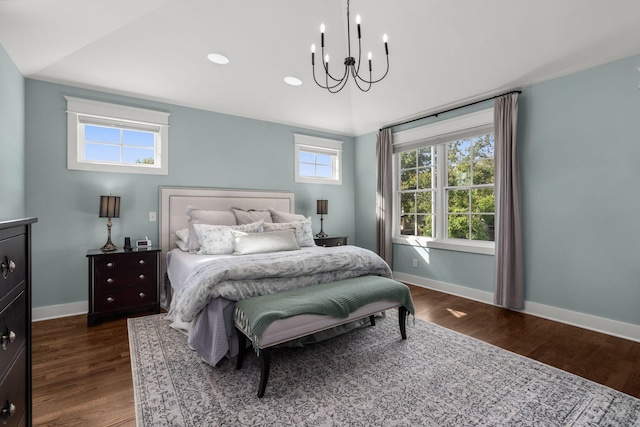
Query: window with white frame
[[317, 160], [106, 137], [444, 184]]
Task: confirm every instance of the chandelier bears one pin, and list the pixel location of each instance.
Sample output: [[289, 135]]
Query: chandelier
[[351, 67]]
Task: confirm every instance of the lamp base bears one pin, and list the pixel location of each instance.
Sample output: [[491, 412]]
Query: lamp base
[[322, 235], [109, 247]]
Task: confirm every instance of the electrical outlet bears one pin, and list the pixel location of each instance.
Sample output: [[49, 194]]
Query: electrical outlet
[[415, 263], [152, 217]]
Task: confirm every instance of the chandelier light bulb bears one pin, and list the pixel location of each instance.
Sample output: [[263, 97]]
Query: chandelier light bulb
[[322, 28], [358, 19], [313, 48], [326, 58], [369, 56], [384, 38]]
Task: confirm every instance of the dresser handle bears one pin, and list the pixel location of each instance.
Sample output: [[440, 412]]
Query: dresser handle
[[141, 276], [7, 338], [110, 299], [141, 261], [339, 244], [142, 295], [109, 279], [8, 266], [8, 410], [110, 264]]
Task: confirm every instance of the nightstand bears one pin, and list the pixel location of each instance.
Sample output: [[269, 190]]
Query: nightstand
[[123, 281], [331, 241]]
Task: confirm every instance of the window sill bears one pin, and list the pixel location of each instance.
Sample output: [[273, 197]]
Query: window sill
[[485, 248]]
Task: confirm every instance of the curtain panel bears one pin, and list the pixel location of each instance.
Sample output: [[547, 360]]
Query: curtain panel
[[384, 195]]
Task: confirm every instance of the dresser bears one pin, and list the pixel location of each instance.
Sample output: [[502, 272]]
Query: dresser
[[15, 322], [123, 281]]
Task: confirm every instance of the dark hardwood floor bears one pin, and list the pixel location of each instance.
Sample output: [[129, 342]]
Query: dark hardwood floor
[[82, 376]]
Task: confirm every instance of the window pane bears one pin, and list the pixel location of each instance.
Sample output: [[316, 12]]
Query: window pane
[[101, 134], [407, 203], [138, 138], [424, 202], [458, 200], [137, 155], [482, 228], [101, 152], [459, 163], [408, 225], [408, 179], [458, 226], [425, 225], [307, 157], [323, 159], [424, 178], [408, 159], [323, 171], [482, 200], [424, 157], [307, 169]]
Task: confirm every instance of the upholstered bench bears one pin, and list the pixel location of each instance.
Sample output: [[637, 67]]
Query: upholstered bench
[[273, 319]]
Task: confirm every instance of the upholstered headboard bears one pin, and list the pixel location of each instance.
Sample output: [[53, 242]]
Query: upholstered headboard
[[174, 201]]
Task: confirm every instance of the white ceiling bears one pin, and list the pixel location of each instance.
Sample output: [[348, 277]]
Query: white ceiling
[[442, 52]]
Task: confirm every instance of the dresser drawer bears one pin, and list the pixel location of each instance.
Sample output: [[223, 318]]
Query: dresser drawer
[[125, 298], [13, 329], [13, 393], [13, 263]]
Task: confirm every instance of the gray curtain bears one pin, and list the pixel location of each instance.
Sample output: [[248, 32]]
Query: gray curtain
[[509, 285], [384, 195]]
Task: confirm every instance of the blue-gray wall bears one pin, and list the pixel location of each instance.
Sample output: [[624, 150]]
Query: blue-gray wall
[[205, 149], [12, 139], [579, 154]]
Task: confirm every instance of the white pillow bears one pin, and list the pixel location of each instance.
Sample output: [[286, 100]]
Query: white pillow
[[303, 232], [183, 235], [255, 243], [217, 239], [182, 245], [280, 217]]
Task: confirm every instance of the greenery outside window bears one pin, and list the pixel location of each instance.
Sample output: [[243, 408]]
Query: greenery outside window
[[114, 138], [444, 183]]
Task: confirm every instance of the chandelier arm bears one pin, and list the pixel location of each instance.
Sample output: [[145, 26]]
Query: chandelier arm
[[325, 65], [375, 81], [356, 78], [342, 84]]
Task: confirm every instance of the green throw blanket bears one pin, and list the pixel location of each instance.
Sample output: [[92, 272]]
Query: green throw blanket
[[335, 299]]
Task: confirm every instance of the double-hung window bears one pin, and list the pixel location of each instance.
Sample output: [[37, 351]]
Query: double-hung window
[[114, 138], [444, 184], [318, 160]]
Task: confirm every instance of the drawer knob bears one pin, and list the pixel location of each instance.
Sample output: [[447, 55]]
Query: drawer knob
[[7, 338], [109, 279], [7, 266], [110, 299], [141, 261], [8, 410], [110, 264], [339, 244], [141, 276], [142, 295]]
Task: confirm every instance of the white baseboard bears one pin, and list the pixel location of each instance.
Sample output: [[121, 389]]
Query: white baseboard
[[627, 331], [60, 310]]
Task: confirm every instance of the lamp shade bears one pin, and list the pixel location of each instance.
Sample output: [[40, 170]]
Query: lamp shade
[[322, 207], [109, 207]]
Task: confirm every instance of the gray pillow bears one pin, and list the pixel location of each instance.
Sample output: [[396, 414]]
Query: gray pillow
[[255, 243], [201, 216], [252, 215], [279, 216]]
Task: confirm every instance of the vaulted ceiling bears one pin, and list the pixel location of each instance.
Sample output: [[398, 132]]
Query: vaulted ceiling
[[442, 52]]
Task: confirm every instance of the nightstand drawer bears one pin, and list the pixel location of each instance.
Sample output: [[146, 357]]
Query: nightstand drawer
[[125, 298], [331, 241], [108, 264], [13, 329], [13, 263]]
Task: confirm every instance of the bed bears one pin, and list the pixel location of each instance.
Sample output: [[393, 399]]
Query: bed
[[201, 288]]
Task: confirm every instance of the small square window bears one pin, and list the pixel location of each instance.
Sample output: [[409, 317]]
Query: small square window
[[318, 160]]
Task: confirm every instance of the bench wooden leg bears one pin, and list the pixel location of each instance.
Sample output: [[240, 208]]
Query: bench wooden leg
[[265, 356], [402, 316], [372, 319], [242, 348]]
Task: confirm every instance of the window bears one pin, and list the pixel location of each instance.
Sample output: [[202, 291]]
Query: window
[[444, 184], [114, 138], [318, 160]]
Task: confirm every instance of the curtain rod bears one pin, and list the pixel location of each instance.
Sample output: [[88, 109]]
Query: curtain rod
[[449, 110]]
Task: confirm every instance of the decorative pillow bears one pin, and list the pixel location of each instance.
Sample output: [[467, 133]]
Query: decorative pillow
[[279, 216], [201, 216], [252, 215], [217, 239], [183, 235], [255, 243], [303, 232], [182, 245]]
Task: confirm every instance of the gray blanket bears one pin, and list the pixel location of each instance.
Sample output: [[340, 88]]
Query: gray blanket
[[246, 276]]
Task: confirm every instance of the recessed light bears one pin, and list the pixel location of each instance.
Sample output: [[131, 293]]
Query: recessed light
[[217, 58], [293, 81]]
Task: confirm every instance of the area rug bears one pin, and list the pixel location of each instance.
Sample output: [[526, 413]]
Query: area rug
[[367, 377]]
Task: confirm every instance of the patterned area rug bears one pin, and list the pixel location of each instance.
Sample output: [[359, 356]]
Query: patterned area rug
[[367, 377]]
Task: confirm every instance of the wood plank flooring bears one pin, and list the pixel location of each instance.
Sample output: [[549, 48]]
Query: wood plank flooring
[[82, 376]]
